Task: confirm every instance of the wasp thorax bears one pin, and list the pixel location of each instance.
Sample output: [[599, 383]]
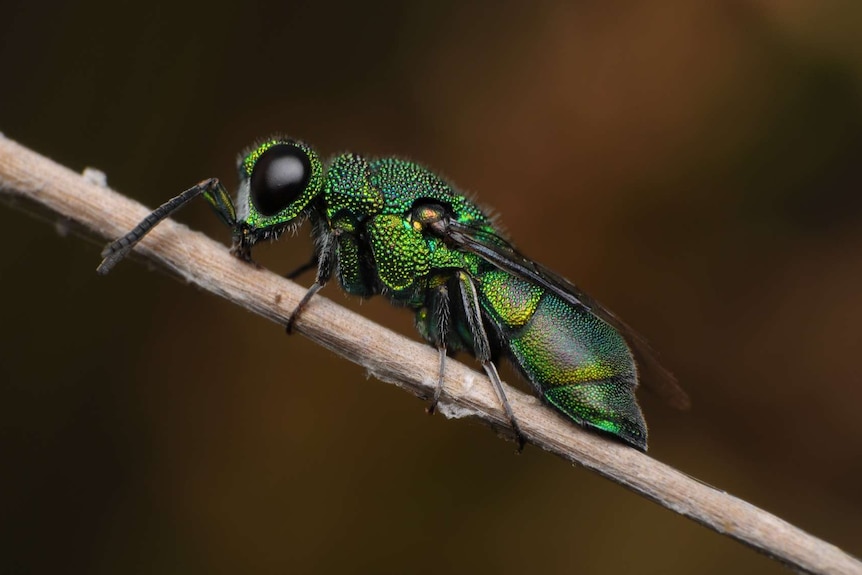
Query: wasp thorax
[[279, 178]]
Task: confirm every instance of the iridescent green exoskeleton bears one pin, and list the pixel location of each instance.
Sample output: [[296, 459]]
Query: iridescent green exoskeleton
[[391, 227]]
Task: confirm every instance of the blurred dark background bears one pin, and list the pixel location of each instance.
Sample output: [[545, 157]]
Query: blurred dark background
[[695, 166]]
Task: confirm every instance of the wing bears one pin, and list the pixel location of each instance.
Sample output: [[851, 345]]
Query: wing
[[497, 251]]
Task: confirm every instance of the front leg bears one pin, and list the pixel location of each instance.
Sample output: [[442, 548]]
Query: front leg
[[326, 259]]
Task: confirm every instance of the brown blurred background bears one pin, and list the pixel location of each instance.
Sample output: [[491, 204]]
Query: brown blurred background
[[694, 165]]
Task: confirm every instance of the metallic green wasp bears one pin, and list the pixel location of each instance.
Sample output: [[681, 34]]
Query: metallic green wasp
[[391, 227]]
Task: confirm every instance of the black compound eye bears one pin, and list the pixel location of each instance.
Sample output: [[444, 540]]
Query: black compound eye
[[279, 177]]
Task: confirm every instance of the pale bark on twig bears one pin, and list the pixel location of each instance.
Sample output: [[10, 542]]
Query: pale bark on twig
[[408, 364]]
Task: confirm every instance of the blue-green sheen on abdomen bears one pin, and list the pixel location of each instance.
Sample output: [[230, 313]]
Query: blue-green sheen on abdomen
[[551, 341], [579, 364], [563, 345]]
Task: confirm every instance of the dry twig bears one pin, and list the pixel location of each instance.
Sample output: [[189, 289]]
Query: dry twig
[[406, 363]]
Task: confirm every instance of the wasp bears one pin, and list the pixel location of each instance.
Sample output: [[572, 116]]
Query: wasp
[[391, 227]]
